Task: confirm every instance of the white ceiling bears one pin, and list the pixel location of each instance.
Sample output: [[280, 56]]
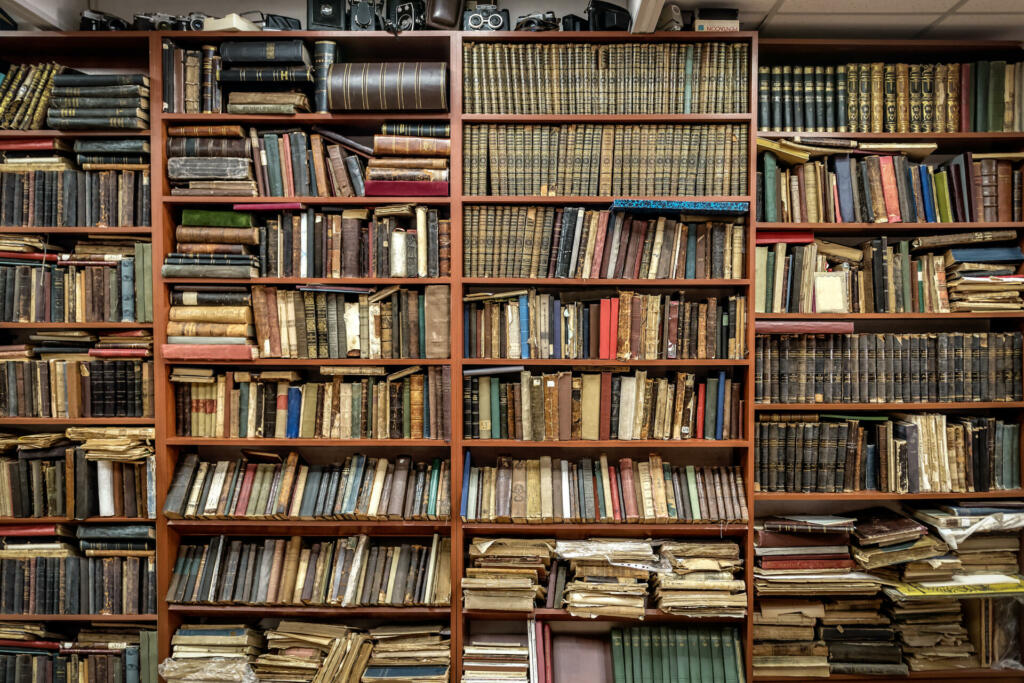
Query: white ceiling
[[963, 19]]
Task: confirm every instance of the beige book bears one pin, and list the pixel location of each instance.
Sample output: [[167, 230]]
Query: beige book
[[388, 589], [657, 473], [627, 406], [546, 510], [659, 239], [377, 490], [646, 497], [211, 314], [356, 572], [216, 486], [831, 292], [640, 407], [590, 400], [218, 427], [533, 503], [606, 489], [443, 582], [290, 569], [352, 347], [295, 597], [431, 569], [197, 487], [300, 488]]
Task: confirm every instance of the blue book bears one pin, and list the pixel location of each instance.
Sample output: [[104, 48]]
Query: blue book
[[599, 486], [131, 664], [355, 477], [294, 412], [870, 467], [927, 194], [243, 410], [465, 331], [524, 327], [495, 409], [844, 182], [680, 206], [463, 506], [556, 328], [987, 254], [127, 268], [405, 673], [210, 632], [423, 327], [309, 493], [719, 416], [691, 251]]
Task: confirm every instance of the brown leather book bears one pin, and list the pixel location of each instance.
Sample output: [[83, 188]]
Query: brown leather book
[[206, 131], [388, 86], [1004, 191], [562, 408], [408, 145]]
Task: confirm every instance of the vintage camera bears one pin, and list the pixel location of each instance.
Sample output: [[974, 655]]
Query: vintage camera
[[325, 15], [158, 21], [93, 20], [362, 15], [405, 15], [574, 22], [485, 18], [537, 21], [604, 16]]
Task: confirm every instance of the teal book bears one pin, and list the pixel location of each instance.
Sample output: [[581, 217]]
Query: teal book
[[618, 660], [423, 332], [435, 477], [646, 656], [693, 655], [717, 660], [657, 655], [495, 411], [274, 177], [667, 658], [634, 640], [769, 284], [730, 656], [682, 657], [771, 187]]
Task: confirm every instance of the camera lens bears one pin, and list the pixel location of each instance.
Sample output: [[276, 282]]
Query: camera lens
[[476, 22], [494, 21], [163, 26], [195, 25]]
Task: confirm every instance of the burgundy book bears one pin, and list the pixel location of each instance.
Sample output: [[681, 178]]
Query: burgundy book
[[406, 188]]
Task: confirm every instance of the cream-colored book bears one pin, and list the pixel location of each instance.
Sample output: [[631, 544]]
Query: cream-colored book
[[352, 347], [627, 406], [832, 292], [193, 496], [216, 486], [546, 510], [590, 400]]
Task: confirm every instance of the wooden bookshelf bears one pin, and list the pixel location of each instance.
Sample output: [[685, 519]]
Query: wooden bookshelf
[[142, 51]]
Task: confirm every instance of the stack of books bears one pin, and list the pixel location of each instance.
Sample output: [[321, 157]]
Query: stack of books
[[932, 634], [101, 183], [605, 160], [212, 243], [359, 488], [97, 101], [576, 242], [596, 490], [35, 475], [507, 574], [278, 571], [301, 651], [860, 638], [702, 581], [624, 326], [486, 658], [210, 161], [120, 653], [197, 330], [785, 642], [420, 652], [409, 403], [199, 643], [114, 471], [882, 275], [566, 406], [411, 163], [604, 578], [25, 93]]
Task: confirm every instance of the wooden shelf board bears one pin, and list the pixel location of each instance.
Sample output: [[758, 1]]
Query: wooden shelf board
[[318, 362], [260, 611], [589, 200], [303, 118], [965, 675], [329, 527], [83, 618], [302, 281], [72, 421], [604, 363], [959, 315], [883, 495], [595, 282], [45, 133], [68, 520], [284, 443], [881, 407], [882, 137], [324, 201], [77, 230], [545, 614], [612, 529], [852, 227], [75, 326], [630, 119], [610, 443]]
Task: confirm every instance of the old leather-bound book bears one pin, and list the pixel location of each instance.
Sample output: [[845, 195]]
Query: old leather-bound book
[[392, 86]]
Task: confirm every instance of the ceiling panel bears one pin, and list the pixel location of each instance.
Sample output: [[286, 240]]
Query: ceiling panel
[[743, 5], [991, 6], [749, 21], [872, 6], [979, 26], [846, 25]]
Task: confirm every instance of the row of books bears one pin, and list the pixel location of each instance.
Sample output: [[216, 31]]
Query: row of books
[[911, 453], [410, 403], [89, 281], [574, 242], [97, 569], [25, 93], [106, 183], [545, 489], [566, 406], [880, 97], [226, 160], [90, 655], [886, 275], [852, 188], [76, 385], [619, 78], [353, 571], [605, 160], [613, 325], [267, 485], [88, 472], [304, 652], [98, 101], [888, 368]]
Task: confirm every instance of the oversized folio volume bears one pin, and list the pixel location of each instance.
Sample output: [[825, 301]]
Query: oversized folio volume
[[388, 86]]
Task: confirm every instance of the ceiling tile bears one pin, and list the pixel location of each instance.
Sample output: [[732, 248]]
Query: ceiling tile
[[749, 21], [846, 25], [980, 26], [991, 6], [868, 6], [762, 6]]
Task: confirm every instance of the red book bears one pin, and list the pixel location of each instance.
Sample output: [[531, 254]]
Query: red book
[[803, 327], [613, 329], [30, 144], [701, 389], [605, 423], [270, 206], [229, 382], [33, 644], [285, 144], [406, 188], [628, 489], [789, 237], [538, 633], [966, 88], [198, 352], [548, 667], [778, 539], [613, 481], [606, 323], [634, 267], [49, 258], [889, 191], [119, 353], [807, 564], [26, 530], [243, 494], [625, 238], [602, 231], [128, 333], [807, 556]]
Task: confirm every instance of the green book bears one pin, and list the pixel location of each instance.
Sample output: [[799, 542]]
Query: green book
[[435, 477], [627, 657], [996, 85], [710, 407], [904, 247], [981, 72], [771, 187], [618, 659], [942, 197], [215, 218], [484, 406], [495, 410], [646, 656], [730, 656], [717, 658], [274, 177], [920, 286], [670, 499], [693, 654], [682, 670], [657, 655], [668, 660], [705, 654], [636, 655], [140, 283], [691, 483], [769, 281]]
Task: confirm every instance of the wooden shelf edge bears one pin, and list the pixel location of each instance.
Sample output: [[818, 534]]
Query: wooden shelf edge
[[883, 495], [881, 407], [610, 443]]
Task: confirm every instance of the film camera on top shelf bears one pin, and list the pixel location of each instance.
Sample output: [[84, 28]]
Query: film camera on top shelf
[[382, 15]]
